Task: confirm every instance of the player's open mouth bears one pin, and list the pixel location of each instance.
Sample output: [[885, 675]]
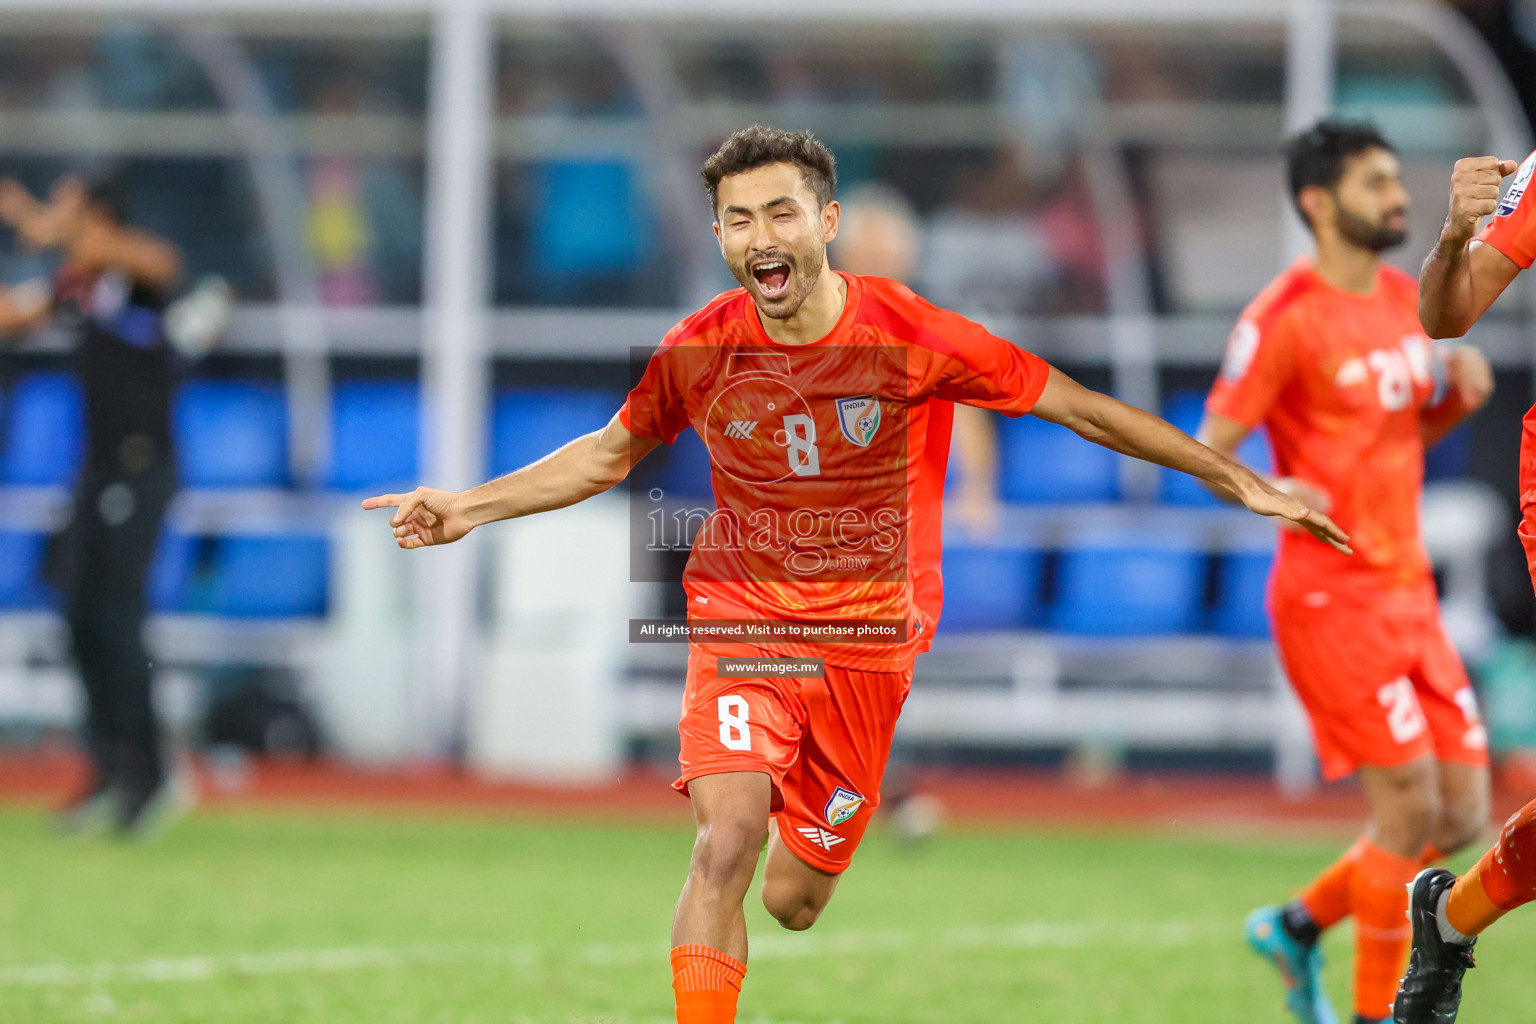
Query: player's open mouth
[[772, 277]]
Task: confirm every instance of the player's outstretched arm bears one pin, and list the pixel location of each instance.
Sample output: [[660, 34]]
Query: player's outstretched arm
[[1126, 429], [1461, 278], [589, 465]]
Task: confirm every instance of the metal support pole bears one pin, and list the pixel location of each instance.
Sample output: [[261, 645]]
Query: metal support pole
[[454, 372], [280, 199], [1311, 54]]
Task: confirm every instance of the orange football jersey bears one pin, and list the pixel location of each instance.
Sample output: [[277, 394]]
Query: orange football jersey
[[827, 459], [1339, 381]]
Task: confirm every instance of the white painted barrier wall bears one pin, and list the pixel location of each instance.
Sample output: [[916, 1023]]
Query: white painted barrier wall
[[364, 690], [548, 702]]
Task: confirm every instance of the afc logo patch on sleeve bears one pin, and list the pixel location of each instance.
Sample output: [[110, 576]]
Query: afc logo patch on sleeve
[[1242, 346], [1517, 188]]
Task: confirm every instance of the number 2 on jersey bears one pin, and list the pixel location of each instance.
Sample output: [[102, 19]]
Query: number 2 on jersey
[[735, 733], [1394, 378]]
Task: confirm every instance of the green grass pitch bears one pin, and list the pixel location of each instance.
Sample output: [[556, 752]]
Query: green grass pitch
[[301, 918]]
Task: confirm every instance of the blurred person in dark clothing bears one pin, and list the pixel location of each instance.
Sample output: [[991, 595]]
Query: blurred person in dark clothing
[[111, 292]]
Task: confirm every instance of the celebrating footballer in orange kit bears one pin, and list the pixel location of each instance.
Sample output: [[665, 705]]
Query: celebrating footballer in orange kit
[[825, 400], [1330, 359], [1465, 272]]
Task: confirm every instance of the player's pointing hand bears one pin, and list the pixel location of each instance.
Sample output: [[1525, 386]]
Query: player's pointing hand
[[426, 516], [1474, 194], [1269, 501]]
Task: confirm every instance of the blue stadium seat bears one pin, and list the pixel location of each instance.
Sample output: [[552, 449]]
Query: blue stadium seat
[[269, 576], [1448, 460], [231, 434], [1043, 462], [682, 469], [1185, 410], [45, 430], [375, 435], [171, 573], [1115, 583], [990, 586], [1242, 581], [529, 423], [584, 222], [21, 557]]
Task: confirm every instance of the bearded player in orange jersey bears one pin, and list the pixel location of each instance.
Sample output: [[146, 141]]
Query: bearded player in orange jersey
[[1331, 360], [825, 400], [1465, 272]]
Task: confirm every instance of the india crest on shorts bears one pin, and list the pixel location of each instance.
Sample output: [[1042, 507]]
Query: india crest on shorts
[[859, 417], [845, 803]]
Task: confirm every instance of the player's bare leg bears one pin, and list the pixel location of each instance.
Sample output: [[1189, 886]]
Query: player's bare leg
[[794, 892], [1406, 810], [1464, 806], [1406, 805], [709, 930], [731, 811]]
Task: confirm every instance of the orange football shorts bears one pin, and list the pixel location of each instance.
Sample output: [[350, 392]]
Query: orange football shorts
[[1377, 674], [824, 743]]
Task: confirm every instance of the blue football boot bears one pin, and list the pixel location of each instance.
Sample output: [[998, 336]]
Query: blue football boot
[[1300, 966]]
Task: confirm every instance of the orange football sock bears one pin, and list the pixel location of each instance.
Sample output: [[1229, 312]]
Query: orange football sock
[[1378, 898], [707, 983], [1327, 899], [1502, 880], [1431, 854]]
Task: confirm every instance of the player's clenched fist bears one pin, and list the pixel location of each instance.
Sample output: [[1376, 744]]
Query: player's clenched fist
[[1474, 194], [424, 517]]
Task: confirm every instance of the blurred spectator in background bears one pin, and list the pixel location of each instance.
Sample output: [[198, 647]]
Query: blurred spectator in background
[[339, 228], [879, 236], [1008, 242], [363, 223], [112, 291]]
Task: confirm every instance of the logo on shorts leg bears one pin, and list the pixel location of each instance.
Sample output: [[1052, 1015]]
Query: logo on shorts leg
[[845, 803], [821, 837]]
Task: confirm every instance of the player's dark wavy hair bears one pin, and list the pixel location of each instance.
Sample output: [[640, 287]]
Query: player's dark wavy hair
[[1317, 155], [759, 146]]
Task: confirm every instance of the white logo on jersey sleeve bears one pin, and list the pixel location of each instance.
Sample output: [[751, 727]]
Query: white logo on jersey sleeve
[[1242, 346], [1517, 187]]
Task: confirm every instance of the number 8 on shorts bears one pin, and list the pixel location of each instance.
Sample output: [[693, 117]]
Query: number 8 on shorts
[[735, 734]]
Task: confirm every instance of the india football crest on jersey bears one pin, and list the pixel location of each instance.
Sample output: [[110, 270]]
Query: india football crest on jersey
[[859, 417], [844, 804], [1517, 187]]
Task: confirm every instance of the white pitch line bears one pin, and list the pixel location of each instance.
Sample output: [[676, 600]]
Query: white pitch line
[[1024, 935]]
